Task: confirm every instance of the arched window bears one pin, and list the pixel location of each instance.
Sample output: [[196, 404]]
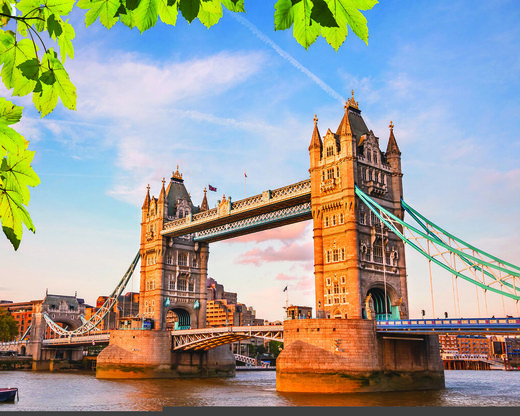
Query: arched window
[[182, 259], [182, 283]]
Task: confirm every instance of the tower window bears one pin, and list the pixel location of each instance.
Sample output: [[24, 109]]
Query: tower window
[[183, 259], [341, 218], [333, 220], [337, 171], [330, 173], [330, 151], [326, 221]]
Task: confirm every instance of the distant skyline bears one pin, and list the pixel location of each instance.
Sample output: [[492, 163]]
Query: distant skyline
[[240, 97]]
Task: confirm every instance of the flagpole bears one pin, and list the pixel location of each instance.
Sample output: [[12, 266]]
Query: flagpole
[[245, 178]]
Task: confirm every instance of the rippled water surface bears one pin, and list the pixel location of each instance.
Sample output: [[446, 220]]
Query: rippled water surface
[[83, 392]]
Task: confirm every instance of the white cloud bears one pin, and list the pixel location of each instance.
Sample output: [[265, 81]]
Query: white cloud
[[129, 87]]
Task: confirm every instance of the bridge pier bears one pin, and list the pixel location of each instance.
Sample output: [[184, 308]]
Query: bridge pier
[[148, 354], [348, 355]]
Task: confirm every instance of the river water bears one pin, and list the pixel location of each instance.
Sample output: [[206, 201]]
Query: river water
[[79, 391]]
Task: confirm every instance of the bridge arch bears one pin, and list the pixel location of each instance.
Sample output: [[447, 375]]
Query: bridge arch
[[377, 296], [179, 317]]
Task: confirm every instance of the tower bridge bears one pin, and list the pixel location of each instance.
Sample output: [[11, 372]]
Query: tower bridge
[[354, 197]]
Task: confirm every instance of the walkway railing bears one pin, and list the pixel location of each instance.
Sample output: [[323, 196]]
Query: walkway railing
[[78, 339], [469, 325], [241, 209]]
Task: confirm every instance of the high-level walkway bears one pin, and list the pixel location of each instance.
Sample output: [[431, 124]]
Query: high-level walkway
[[271, 208]]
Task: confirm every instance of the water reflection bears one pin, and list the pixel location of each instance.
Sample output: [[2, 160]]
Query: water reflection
[[83, 392]]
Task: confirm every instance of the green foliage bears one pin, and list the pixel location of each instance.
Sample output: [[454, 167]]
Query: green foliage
[[327, 18], [275, 348], [8, 327], [27, 70]]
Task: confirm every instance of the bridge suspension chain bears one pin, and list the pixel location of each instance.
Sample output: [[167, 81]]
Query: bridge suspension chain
[[477, 266], [95, 319]]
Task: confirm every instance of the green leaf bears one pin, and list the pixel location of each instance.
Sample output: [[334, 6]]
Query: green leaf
[[210, 12], [146, 14], [34, 9], [9, 113], [322, 15], [10, 139], [17, 171], [65, 41], [54, 26], [234, 5], [347, 12], [283, 15], [168, 13], [304, 30], [30, 68], [132, 4], [5, 8], [54, 83], [59, 7], [12, 54], [13, 214], [189, 9], [105, 10]]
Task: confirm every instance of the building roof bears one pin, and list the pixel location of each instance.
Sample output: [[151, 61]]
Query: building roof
[[392, 143], [177, 191]]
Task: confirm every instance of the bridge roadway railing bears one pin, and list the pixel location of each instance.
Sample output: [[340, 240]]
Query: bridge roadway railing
[[245, 359], [206, 338], [267, 201], [489, 326], [78, 339]]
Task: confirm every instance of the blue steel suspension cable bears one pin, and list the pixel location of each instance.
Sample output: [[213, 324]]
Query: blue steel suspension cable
[[377, 210]]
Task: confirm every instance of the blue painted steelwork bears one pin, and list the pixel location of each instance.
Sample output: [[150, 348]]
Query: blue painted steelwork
[[470, 325], [254, 222]]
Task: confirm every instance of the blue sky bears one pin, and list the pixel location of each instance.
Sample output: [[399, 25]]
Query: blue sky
[[240, 96]]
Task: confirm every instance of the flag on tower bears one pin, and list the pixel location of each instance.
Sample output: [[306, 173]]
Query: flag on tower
[[285, 289], [212, 188], [245, 175]]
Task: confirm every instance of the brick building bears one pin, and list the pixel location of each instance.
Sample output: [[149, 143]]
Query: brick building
[[465, 344], [22, 312], [299, 312]]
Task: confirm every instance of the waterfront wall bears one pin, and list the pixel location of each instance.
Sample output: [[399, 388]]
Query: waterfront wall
[[148, 354], [348, 355]]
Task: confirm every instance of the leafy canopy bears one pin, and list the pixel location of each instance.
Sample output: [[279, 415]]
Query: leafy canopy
[[29, 66], [8, 327]]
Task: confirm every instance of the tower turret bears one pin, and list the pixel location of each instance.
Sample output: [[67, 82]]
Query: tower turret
[[204, 205], [393, 157]]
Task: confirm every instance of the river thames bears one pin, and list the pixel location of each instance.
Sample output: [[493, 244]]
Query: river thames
[[71, 391]]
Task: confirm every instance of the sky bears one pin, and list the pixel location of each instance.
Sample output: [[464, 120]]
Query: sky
[[241, 97]]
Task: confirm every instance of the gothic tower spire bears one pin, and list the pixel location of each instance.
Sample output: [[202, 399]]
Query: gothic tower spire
[[392, 147], [204, 206]]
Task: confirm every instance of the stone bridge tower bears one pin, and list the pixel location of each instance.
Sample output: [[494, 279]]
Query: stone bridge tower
[[173, 270], [354, 254]]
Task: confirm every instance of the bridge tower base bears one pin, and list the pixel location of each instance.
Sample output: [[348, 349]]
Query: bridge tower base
[[148, 354], [348, 355]]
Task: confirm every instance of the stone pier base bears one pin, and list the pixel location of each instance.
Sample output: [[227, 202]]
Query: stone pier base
[[148, 354], [348, 355]]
